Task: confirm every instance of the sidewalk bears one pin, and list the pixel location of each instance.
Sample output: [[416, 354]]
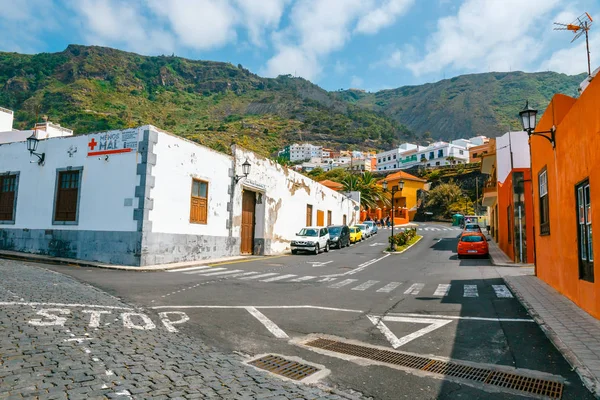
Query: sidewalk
[[575, 333], [39, 258], [498, 258]]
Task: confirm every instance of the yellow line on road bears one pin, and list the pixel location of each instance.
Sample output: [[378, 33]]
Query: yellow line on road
[[246, 260]]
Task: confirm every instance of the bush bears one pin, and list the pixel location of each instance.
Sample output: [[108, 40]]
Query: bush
[[403, 237]]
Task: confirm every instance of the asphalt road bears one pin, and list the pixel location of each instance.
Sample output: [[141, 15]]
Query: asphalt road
[[424, 301]]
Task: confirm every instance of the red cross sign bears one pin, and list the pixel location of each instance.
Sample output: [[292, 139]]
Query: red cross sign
[[92, 144]]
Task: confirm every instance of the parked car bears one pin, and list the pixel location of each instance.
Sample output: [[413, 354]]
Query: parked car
[[472, 244], [472, 228], [373, 226], [355, 234], [339, 236], [366, 230], [311, 238]]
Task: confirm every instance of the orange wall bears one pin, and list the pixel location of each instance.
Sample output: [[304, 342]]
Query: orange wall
[[505, 199], [576, 157]]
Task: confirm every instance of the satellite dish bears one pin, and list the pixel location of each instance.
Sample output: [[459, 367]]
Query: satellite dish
[[356, 208]]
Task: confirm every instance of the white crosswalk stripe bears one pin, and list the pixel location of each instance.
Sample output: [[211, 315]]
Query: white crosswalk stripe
[[415, 288], [190, 269], [342, 283], [278, 278], [502, 291], [327, 279], [260, 276], [389, 287], [303, 278], [202, 271], [470, 291], [442, 290], [243, 274], [365, 285], [220, 273]]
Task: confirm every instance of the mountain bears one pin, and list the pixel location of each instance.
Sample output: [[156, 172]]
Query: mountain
[[91, 89], [467, 105]]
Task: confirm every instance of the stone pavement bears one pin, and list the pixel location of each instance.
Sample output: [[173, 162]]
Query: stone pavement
[[499, 258], [575, 333], [62, 339]]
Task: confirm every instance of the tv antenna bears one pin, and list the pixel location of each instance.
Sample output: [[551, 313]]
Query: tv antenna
[[579, 27]]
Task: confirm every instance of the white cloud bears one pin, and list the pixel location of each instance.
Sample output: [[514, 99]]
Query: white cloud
[[383, 16], [294, 61], [319, 28], [573, 59], [356, 82], [486, 35], [108, 22], [340, 67], [394, 59], [260, 16], [21, 33]]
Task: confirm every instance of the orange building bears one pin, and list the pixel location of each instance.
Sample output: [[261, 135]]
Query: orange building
[[405, 201], [566, 182], [475, 153]]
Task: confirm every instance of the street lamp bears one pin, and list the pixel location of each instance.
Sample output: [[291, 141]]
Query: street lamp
[[395, 189], [528, 120], [245, 171], [32, 143]]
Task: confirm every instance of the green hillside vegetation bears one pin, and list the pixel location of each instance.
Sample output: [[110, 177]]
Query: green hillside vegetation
[[92, 89], [467, 105]]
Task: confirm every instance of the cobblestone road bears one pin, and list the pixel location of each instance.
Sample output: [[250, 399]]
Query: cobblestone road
[[61, 339]]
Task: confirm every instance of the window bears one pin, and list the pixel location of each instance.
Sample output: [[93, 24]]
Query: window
[[394, 156], [437, 163], [379, 160], [67, 196], [344, 219], [474, 155], [431, 155], [199, 202], [8, 197], [441, 153], [328, 218], [320, 218], [584, 232], [544, 206], [309, 211], [389, 158], [508, 223], [461, 152]]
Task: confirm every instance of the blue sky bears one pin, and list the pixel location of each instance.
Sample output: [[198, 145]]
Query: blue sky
[[367, 44]]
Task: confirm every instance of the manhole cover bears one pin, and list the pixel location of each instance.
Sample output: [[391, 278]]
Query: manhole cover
[[541, 387], [287, 368]]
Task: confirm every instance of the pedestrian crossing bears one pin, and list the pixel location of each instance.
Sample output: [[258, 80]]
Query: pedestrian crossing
[[439, 290], [427, 228]]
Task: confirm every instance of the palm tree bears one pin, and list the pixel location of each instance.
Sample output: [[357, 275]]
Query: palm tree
[[370, 192]]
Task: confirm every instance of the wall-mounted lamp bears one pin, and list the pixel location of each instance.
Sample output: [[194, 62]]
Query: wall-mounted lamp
[[528, 119], [32, 143], [245, 171]]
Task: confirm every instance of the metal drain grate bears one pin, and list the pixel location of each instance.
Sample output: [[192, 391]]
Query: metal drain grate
[[507, 380], [281, 366]]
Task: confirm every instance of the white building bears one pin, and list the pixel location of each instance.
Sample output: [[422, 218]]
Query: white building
[[389, 160], [305, 151], [436, 154], [43, 130], [512, 151], [143, 196]]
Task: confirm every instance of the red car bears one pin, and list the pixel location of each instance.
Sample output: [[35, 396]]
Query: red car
[[472, 244]]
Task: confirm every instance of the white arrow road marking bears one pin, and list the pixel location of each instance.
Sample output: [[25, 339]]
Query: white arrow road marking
[[270, 325], [278, 278], [470, 291], [376, 244], [442, 290], [261, 276], [303, 278], [397, 342], [201, 272], [360, 267], [415, 288], [502, 291], [189, 269], [317, 264], [342, 283], [222, 272], [365, 285], [389, 287]]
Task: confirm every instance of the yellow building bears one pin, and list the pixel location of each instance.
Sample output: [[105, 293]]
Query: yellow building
[[406, 201]]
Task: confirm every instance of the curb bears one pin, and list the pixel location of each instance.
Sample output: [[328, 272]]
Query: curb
[[584, 373], [406, 249], [36, 258]]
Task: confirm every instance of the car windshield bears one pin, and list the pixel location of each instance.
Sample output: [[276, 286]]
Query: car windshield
[[360, 228], [472, 227], [335, 230], [309, 232], [353, 230], [472, 238]]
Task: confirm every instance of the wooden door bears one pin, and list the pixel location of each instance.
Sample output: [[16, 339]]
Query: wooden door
[[248, 207]]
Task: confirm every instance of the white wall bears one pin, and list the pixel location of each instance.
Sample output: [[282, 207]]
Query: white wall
[[46, 132], [105, 184], [519, 144], [285, 196], [177, 162], [6, 120]]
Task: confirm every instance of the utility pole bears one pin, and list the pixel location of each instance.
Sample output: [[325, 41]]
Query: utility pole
[[477, 195]]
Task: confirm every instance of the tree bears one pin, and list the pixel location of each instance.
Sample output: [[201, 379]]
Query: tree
[[443, 198], [370, 191]]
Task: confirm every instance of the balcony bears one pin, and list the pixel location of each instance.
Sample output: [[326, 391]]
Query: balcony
[[490, 194]]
